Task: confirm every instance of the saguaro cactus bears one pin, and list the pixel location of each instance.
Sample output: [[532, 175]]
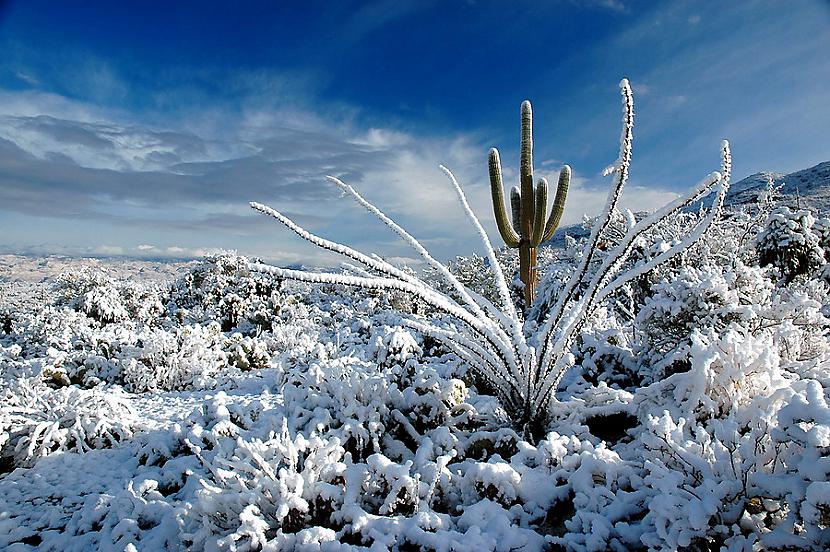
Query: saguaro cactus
[[529, 204]]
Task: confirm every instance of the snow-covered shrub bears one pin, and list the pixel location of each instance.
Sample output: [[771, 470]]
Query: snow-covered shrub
[[259, 489], [802, 441], [730, 451], [789, 244], [394, 346], [36, 421], [246, 353], [263, 485], [795, 317], [107, 299], [606, 356], [222, 288], [821, 228], [70, 348], [729, 369], [695, 299], [188, 358]]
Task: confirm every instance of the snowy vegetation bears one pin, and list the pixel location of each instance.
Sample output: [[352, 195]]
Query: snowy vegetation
[[667, 391], [524, 365]]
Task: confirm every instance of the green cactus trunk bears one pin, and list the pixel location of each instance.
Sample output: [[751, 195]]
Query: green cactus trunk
[[529, 205], [527, 271]]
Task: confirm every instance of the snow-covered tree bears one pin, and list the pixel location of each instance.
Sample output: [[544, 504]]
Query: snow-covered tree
[[789, 244]]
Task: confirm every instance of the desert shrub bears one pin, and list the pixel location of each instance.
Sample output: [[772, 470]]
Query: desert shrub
[[730, 450], [36, 421], [695, 299], [796, 318], [246, 353], [222, 288], [789, 243], [394, 346], [607, 356], [108, 299], [187, 358]]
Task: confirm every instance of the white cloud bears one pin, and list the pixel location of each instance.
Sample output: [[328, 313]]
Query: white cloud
[[109, 250], [640, 88], [27, 78]]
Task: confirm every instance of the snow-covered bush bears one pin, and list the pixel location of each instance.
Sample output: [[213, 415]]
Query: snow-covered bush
[[36, 421], [107, 299], [72, 349], [246, 353], [394, 346], [188, 358], [607, 356], [789, 244], [222, 288], [695, 299], [796, 318], [730, 452]]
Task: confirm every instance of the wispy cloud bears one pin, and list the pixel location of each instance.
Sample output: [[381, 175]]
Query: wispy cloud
[[613, 5], [82, 166]]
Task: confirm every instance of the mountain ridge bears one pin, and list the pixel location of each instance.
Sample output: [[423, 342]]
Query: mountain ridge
[[804, 188]]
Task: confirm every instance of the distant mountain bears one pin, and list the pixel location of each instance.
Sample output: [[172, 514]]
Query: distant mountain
[[807, 188]]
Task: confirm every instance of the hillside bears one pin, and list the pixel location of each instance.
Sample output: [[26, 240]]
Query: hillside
[[807, 188]]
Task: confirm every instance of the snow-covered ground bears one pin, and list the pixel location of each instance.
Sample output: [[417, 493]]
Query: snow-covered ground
[[202, 406]]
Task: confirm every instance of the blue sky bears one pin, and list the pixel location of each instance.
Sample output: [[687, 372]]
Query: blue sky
[[143, 129]]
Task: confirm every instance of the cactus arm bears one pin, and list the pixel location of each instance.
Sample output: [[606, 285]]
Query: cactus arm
[[508, 234], [558, 203], [541, 192], [526, 171], [516, 206]]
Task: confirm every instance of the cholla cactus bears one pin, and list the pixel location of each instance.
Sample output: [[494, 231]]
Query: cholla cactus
[[524, 362], [529, 203]]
